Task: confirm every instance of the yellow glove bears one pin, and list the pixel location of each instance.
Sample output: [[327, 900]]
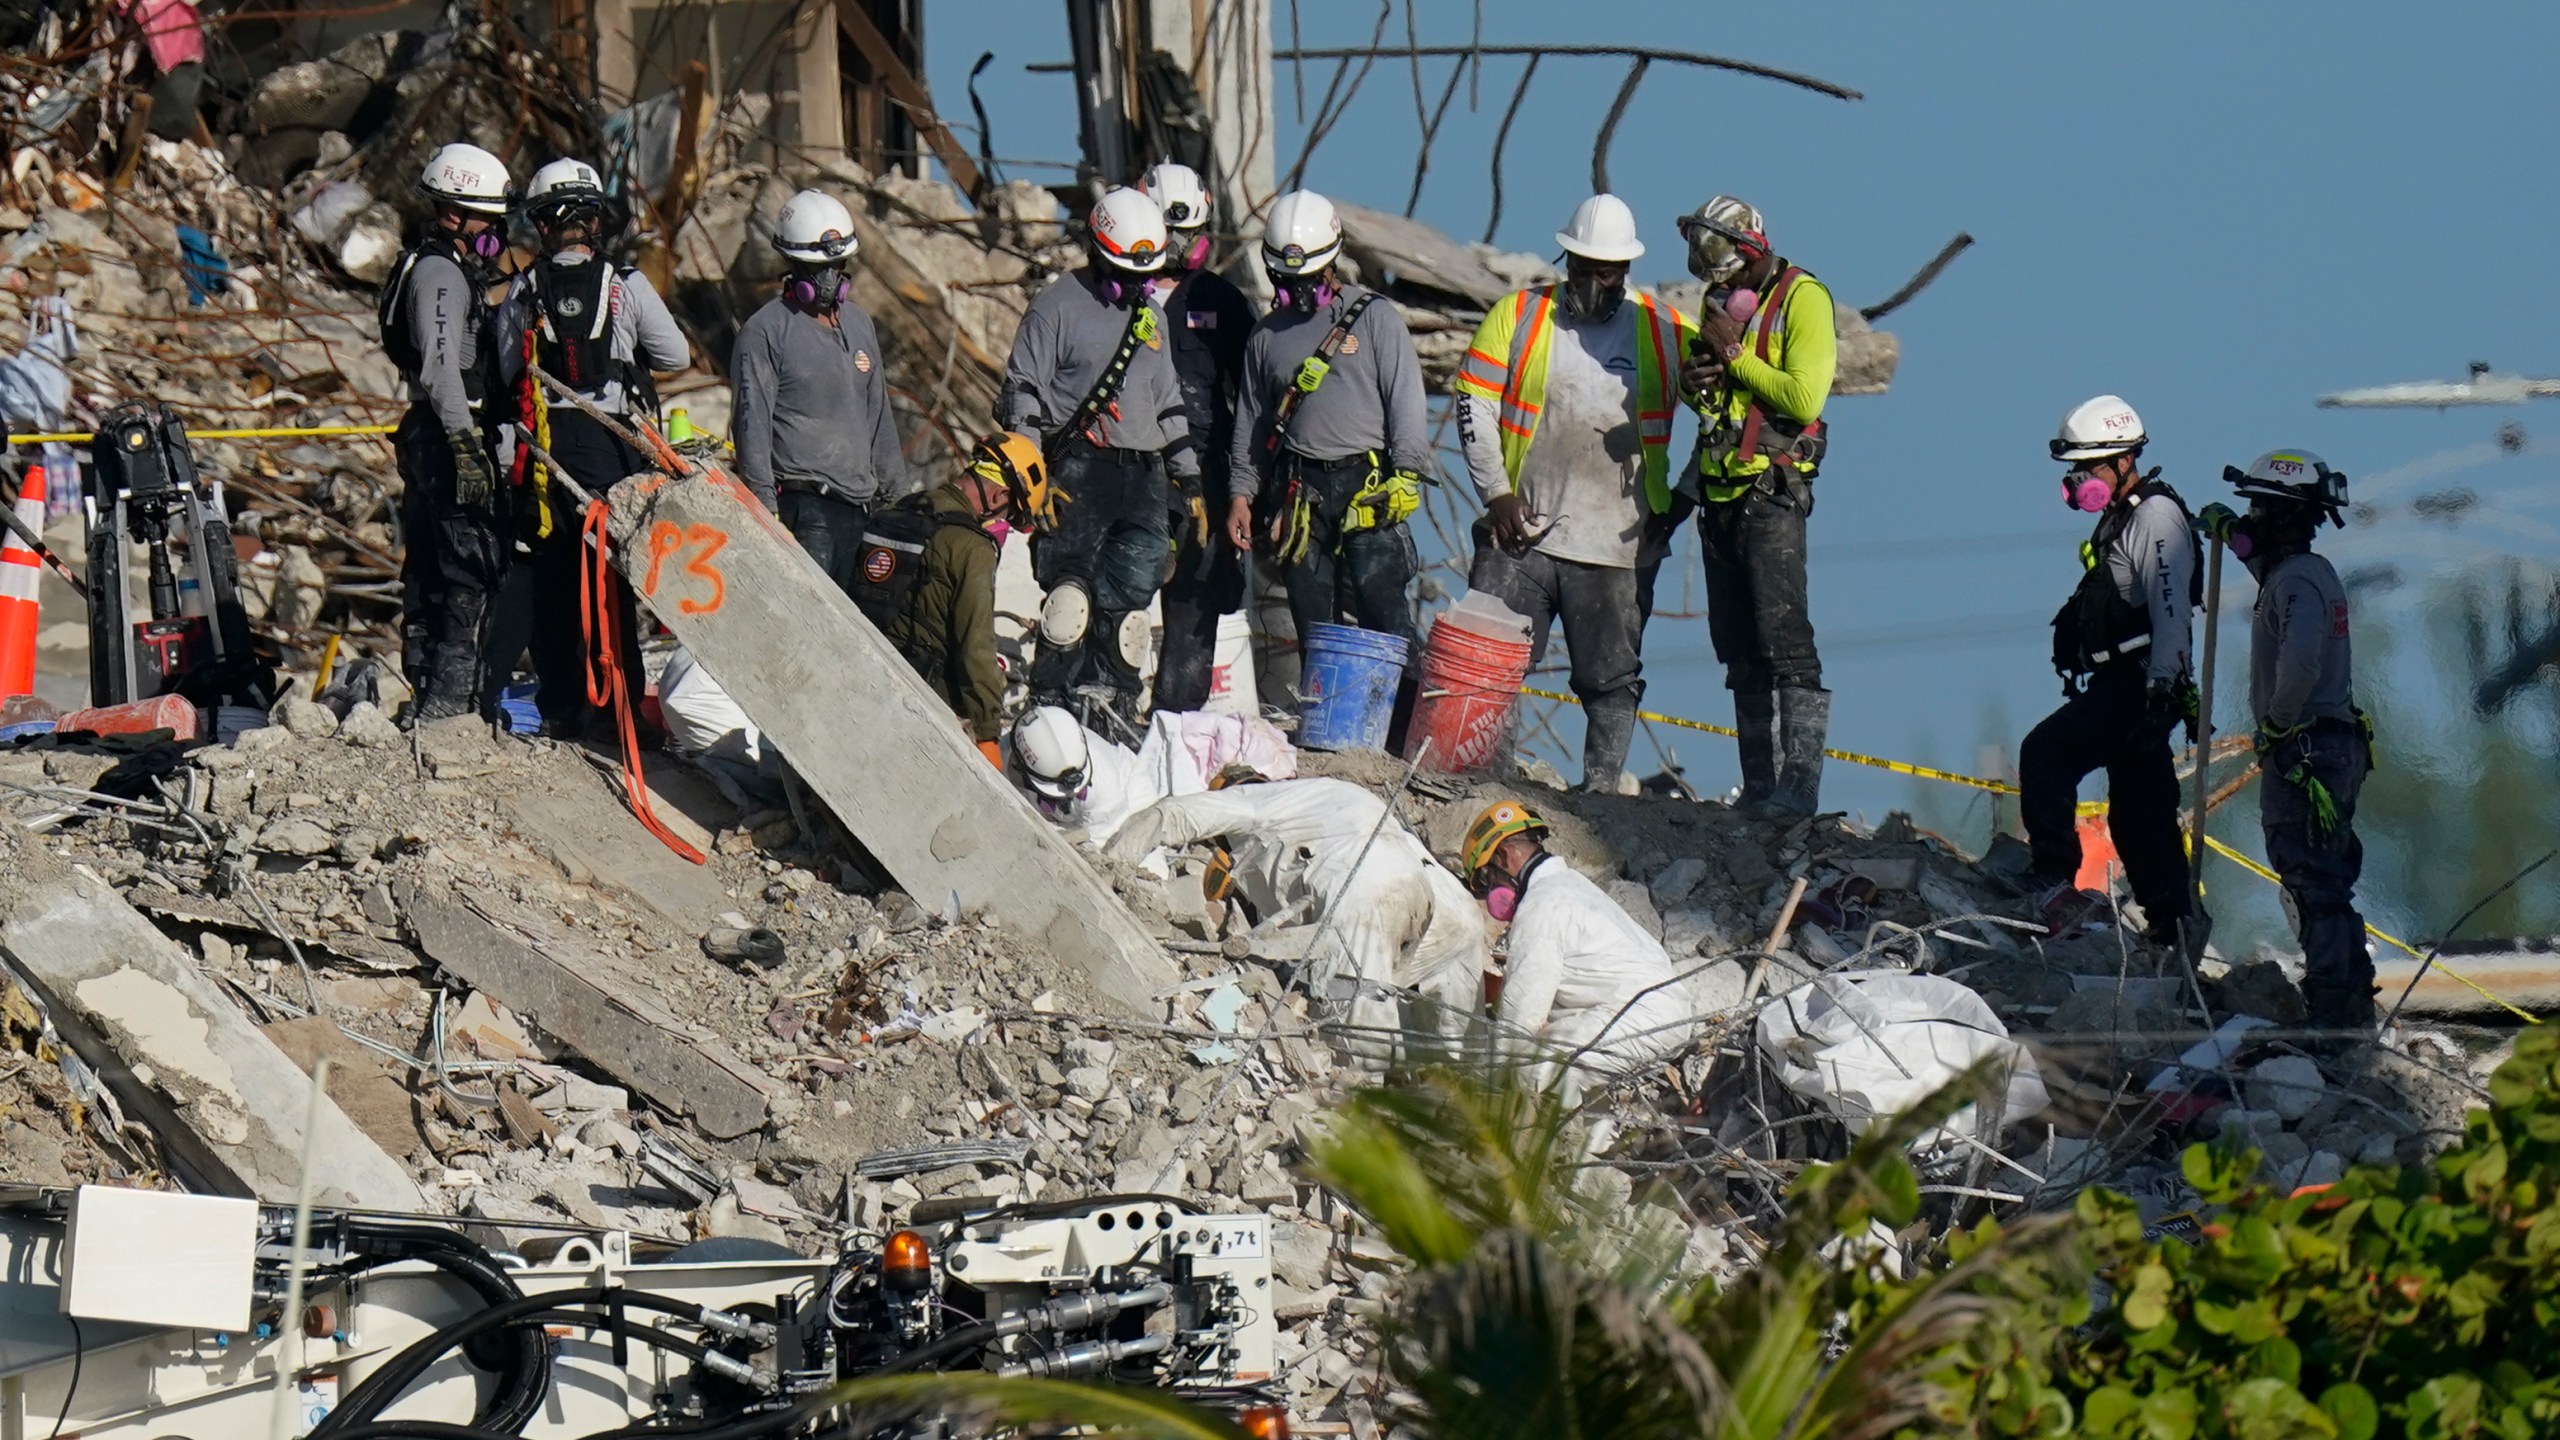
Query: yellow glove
[[1200, 521], [1293, 528], [1388, 499]]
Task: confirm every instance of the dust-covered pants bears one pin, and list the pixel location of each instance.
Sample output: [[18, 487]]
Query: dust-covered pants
[[543, 606], [2319, 876], [1111, 539], [1414, 932], [1651, 1030], [1364, 578], [1207, 583], [829, 528], [453, 557], [1603, 623], [2103, 727], [1757, 617]]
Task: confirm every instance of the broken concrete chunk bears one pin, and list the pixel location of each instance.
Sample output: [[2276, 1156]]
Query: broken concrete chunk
[[1676, 880], [2289, 1085], [296, 836], [368, 728], [308, 721]]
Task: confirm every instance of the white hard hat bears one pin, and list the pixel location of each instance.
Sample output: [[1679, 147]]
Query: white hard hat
[[815, 226], [1128, 230], [1602, 228], [1177, 189], [467, 178], [1301, 235], [562, 178], [2096, 429], [2295, 476], [1051, 748], [1721, 235]]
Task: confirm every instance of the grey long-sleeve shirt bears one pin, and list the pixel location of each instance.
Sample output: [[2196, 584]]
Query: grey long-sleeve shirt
[[2301, 665], [644, 331], [446, 320], [1370, 399], [810, 407], [1066, 339], [2153, 564]]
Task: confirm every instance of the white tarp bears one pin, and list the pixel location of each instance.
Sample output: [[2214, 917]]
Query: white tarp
[[1836, 1042]]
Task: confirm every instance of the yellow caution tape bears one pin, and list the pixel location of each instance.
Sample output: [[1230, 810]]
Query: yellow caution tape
[[2086, 807], [274, 432]]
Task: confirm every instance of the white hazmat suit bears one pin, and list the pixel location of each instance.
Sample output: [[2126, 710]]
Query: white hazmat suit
[[1577, 961], [1398, 920], [1180, 754]]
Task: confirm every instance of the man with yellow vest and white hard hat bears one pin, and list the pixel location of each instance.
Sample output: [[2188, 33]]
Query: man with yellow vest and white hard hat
[[1759, 374], [1565, 399]]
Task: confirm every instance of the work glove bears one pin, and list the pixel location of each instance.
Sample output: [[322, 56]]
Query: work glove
[[475, 480], [1293, 525], [1197, 508], [2277, 746], [1388, 499], [2170, 702], [2217, 520], [2323, 822]]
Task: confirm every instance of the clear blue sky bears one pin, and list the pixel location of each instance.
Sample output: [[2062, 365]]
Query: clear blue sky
[[2216, 211]]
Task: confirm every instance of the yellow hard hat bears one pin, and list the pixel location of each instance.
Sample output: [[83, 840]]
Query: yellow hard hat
[[1015, 461], [1498, 823]]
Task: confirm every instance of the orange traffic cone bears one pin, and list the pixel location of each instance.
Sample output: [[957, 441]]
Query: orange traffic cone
[[20, 573]]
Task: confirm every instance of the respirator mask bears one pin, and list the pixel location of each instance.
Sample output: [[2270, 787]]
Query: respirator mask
[[1302, 294], [823, 289]]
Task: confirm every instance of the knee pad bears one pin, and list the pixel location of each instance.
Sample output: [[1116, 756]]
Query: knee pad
[[1065, 614], [1130, 635]]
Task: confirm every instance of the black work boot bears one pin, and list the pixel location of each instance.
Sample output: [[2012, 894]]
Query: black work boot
[[1804, 723], [453, 670], [1755, 716], [1608, 727]]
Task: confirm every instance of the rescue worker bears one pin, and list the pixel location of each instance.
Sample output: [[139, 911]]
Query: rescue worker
[[2314, 746], [1326, 853], [1587, 993], [2121, 643], [1093, 379], [810, 394], [1210, 320], [1564, 400], [1085, 781], [1331, 438], [1758, 374], [927, 577], [600, 329], [435, 327]]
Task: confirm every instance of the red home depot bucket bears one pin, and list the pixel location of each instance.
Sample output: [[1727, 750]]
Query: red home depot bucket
[[1469, 683]]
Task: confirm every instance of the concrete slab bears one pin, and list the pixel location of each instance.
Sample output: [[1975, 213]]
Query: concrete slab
[[856, 722], [573, 994], [595, 840], [226, 1102]]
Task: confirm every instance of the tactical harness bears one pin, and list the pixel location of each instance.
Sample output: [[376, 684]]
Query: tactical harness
[[1798, 444], [2097, 625]]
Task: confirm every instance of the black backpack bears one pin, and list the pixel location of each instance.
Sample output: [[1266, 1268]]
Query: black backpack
[[891, 560]]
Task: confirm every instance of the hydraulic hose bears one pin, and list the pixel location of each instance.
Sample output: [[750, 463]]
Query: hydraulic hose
[[385, 1385], [523, 1368]]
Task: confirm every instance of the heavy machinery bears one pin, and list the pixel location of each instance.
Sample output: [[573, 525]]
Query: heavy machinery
[[189, 635], [136, 1314]]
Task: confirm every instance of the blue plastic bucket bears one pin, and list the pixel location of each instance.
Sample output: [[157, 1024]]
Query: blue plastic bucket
[[1348, 678], [516, 706]]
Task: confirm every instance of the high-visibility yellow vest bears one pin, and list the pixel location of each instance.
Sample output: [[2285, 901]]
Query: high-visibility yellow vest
[[1789, 357], [1506, 363]]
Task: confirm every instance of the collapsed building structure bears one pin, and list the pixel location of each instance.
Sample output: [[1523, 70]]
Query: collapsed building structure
[[534, 1011]]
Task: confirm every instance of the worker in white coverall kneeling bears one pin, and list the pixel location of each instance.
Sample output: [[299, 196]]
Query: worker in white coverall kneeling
[[1082, 780], [1388, 921], [1587, 994]]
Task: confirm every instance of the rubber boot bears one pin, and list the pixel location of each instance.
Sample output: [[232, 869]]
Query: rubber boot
[[1608, 726], [1755, 715], [453, 672], [1804, 723]]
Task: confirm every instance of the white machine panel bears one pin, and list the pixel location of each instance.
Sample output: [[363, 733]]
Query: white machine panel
[[183, 1261]]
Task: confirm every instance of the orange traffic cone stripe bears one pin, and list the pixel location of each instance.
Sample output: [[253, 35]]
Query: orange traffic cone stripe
[[20, 575]]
